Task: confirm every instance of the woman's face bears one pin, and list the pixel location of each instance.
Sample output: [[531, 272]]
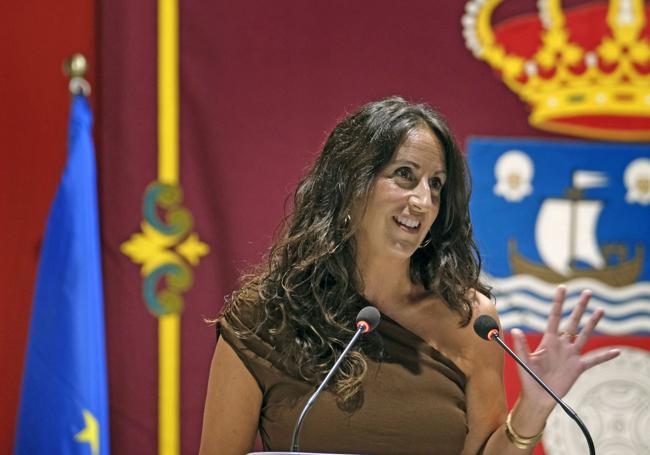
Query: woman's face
[[405, 198]]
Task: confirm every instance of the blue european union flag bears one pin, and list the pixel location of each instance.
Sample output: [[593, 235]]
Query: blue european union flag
[[64, 402]]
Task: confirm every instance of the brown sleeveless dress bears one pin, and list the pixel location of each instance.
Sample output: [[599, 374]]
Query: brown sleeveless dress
[[413, 403]]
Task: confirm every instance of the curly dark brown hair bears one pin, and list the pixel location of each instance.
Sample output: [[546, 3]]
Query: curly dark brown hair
[[303, 299]]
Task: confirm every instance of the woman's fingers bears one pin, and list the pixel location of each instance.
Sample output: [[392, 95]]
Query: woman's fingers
[[556, 310], [520, 344], [576, 314], [587, 330], [596, 358]]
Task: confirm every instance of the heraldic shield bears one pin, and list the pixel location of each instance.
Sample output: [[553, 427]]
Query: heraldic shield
[[551, 212]]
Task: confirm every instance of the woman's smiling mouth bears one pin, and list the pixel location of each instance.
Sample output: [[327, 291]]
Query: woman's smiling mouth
[[409, 225]]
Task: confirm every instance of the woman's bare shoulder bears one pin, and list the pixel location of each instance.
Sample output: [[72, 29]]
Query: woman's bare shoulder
[[481, 304], [479, 352]]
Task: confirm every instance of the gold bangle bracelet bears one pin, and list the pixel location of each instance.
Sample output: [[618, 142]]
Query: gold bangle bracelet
[[518, 440]]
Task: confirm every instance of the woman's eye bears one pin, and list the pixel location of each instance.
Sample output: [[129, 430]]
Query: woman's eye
[[404, 173], [436, 184]]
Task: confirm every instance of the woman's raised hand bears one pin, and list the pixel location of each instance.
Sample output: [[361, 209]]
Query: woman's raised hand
[[558, 360]]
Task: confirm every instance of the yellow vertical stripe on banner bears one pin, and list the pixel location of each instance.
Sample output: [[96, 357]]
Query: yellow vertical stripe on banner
[[168, 384], [168, 153], [168, 91]]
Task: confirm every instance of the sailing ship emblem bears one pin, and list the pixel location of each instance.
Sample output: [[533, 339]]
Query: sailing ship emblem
[[550, 212], [565, 236]]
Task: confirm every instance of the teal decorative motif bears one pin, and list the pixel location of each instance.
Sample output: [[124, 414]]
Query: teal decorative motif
[[165, 249]]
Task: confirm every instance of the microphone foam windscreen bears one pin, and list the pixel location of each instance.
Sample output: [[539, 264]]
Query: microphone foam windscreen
[[483, 325], [371, 316]]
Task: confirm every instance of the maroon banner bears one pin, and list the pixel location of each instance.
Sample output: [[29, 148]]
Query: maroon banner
[[261, 84], [127, 150]]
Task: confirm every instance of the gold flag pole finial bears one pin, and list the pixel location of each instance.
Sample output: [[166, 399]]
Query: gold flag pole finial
[[75, 68], [75, 65]]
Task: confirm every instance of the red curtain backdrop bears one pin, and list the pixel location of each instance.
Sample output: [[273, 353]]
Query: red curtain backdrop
[[35, 38]]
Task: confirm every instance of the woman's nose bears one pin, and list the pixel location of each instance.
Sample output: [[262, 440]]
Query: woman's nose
[[420, 198]]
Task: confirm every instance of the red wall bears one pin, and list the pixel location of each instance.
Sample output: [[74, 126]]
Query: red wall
[[35, 38]]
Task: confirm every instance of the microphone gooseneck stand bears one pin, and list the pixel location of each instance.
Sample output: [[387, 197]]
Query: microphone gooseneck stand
[[367, 320], [487, 328], [312, 399]]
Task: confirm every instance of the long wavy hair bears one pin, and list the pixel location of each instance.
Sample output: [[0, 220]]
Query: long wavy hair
[[303, 298]]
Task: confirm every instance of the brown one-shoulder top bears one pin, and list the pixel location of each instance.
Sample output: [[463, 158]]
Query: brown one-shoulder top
[[413, 400]]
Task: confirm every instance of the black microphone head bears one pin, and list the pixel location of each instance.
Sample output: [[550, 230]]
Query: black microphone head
[[368, 318], [486, 327]]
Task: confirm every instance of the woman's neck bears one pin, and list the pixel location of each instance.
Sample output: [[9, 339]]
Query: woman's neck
[[385, 280]]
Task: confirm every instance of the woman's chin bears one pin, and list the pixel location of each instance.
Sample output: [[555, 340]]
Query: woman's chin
[[391, 249], [402, 249]]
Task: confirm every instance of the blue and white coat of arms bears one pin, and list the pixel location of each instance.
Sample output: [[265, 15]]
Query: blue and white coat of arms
[[577, 213]]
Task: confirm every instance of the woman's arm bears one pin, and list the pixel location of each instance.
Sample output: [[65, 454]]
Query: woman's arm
[[232, 405], [557, 361], [484, 390]]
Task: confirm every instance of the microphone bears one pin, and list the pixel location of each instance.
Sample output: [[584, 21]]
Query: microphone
[[367, 321], [487, 328]]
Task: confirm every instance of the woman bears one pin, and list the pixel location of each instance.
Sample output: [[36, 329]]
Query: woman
[[382, 217]]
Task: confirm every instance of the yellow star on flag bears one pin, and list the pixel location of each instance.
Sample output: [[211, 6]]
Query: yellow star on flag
[[90, 433]]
